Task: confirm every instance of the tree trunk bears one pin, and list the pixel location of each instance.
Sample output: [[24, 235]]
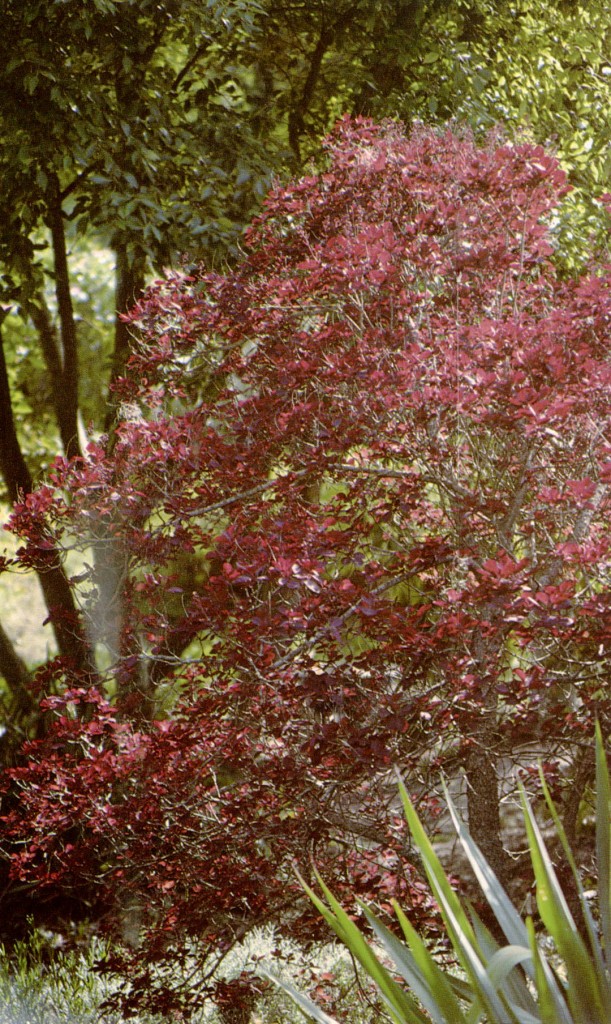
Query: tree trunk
[[15, 674], [483, 804], [21, 705], [302, 102], [481, 764], [52, 351], [68, 418], [15, 472], [56, 589], [129, 287]]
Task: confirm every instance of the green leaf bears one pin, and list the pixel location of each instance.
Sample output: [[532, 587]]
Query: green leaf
[[603, 839], [503, 962], [504, 910], [583, 989], [440, 991], [400, 1004], [587, 914], [307, 1006], [494, 989], [457, 923], [551, 1009]]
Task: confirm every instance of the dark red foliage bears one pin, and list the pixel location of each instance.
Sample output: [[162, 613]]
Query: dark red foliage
[[355, 516]]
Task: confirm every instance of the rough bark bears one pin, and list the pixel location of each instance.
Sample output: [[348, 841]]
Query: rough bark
[[481, 767], [584, 770], [483, 805]]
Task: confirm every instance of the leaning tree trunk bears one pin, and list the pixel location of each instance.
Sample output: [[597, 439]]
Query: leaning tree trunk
[[59, 599]]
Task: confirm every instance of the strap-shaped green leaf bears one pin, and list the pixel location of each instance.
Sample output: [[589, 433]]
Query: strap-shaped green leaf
[[307, 1006], [419, 970], [603, 843], [400, 1003], [583, 990], [460, 930]]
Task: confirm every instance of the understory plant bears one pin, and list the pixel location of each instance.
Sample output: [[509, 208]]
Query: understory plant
[[43, 983], [553, 974]]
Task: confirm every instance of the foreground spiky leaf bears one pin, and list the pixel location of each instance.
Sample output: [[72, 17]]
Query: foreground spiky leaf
[[494, 985]]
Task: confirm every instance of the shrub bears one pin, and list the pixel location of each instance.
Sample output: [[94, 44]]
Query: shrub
[[355, 512]]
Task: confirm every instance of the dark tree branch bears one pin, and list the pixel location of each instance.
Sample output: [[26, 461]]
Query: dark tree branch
[[184, 71], [297, 115], [80, 178]]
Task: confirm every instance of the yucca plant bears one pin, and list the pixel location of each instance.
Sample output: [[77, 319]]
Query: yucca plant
[[510, 984]]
